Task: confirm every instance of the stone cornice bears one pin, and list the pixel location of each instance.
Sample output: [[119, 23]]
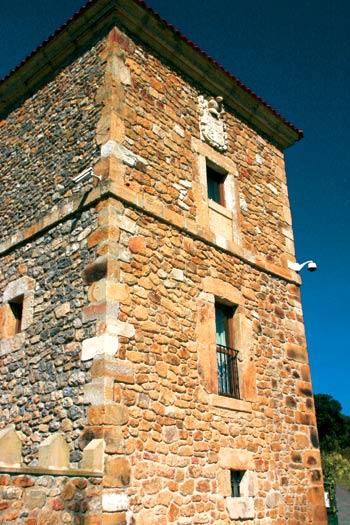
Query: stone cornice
[[41, 471], [145, 203], [96, 19]]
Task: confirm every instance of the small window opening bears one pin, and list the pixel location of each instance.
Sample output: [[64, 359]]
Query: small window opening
[[226, 354], [236, 478], [215, 183], [16, 307]]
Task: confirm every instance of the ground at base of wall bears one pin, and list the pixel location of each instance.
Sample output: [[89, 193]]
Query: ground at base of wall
[[343, 504]]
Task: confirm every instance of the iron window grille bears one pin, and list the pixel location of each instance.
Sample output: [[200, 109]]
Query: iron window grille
[[228, 371]]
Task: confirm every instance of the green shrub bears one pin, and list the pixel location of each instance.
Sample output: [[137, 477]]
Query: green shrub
[[336, 467]]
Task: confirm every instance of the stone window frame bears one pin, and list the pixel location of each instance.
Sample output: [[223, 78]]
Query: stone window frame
[[23, 288], [211, 214], [215, 290], [231, 377], [238, 507]]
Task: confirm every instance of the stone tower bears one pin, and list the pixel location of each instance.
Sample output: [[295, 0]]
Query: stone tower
[[153, 359]]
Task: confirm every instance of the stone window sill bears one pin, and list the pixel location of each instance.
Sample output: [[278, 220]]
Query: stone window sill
[[220, 209], [240, 508], [230, 403]]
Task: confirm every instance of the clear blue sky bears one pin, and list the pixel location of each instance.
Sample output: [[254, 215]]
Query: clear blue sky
[[296, 56]]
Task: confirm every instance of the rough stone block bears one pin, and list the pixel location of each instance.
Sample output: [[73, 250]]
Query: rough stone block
[[21, 286], [103, 234], [273, 499], [112, 436], [54, 453], [137, 244], [237, 459], [117, 472], [108, 415], [222, 290], [224, 482], [116, 327], [34, 498], [100, 345], [99, 391], [117, 518], [106, 289], [62, 310], [117, 369], [93, 455], [240, 508], [249, 484], [296, 353], [7, 346], [113, 501], [10, 448]]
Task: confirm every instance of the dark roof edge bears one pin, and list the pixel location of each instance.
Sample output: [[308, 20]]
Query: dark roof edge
[[97, 17]]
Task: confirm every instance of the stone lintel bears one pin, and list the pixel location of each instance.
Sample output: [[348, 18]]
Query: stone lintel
[[223, 291], [236, 459]]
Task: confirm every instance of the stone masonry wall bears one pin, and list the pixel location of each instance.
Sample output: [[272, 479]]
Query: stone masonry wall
[[49, 139], [179, 438], [41, 374], [119, 284], [161, 118], [30, 499]]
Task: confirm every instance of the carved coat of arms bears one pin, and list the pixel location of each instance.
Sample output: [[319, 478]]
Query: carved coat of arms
[[212, 124]]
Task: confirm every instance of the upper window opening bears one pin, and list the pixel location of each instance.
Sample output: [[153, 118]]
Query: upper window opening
[[236, 478], [16, 308], [215, 184], [228, 381]]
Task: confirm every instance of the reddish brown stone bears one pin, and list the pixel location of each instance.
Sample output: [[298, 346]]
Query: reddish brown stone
[[117, 472], [24, 481], [93, 519], [102, 234], [117, 518], [10, 516], [173, 513], [4, 479], [57, 504], [31, 521], [80, 483], [108, 414], [137, 244], [68, 492]]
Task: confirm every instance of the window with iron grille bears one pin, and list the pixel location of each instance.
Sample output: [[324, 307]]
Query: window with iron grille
[[236, 478], [226, 354]]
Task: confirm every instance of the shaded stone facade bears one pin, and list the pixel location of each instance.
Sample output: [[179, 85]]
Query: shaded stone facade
[[116, 281]]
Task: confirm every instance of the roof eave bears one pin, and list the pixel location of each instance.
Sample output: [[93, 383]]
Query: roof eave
[[97, 18]]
